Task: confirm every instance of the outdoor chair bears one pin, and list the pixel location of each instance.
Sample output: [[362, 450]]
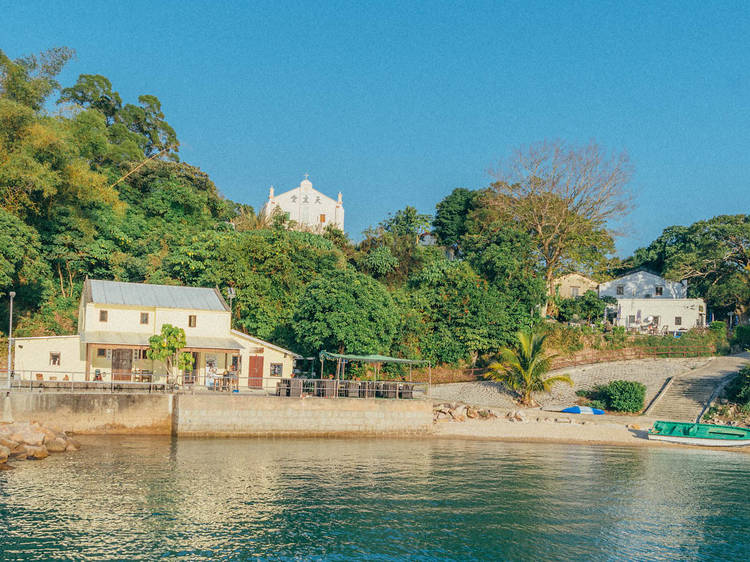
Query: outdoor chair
[[352, 389], [407, 390]]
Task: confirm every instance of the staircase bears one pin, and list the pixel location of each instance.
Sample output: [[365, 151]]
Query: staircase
[[690, 393]]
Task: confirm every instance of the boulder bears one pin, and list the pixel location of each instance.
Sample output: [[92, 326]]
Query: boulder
[[56, 445], [72, 446], [36, 452], [18, 452], [4, 453], [5, 442], [28, 436], [471, 413]]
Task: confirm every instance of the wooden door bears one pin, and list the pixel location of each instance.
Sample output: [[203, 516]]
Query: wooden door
[[122, 364], [255, 371]]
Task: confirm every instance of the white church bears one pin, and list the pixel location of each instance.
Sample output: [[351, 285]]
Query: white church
[[306, 206]]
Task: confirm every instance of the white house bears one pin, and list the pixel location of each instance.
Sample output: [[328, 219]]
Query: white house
[[115, 322], [646, 300], [308, 207], [643, 284]]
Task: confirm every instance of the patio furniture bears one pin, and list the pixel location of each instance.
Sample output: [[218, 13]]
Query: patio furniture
[[282, 389]]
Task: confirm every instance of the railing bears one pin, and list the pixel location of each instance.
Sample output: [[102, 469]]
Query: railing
[[334, 388], [231, 383]]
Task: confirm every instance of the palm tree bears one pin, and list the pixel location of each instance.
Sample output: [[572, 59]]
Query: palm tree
[[523, 367]]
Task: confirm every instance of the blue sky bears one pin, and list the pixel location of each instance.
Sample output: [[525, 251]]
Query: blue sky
[[396, 104]]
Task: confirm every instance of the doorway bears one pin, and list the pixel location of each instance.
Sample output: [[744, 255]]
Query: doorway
[[255, 371], [122, 364]]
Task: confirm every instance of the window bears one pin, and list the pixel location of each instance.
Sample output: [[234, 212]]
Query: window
[[144, 317], [574, 291], [659, 291], [54, 358], [101, 352], [103, 315], [631, 319], [276, 369], [192, 321], [678, 320], [322, 218], [620, 289]]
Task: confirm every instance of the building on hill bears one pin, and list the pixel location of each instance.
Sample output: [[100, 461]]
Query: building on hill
[[115, 322], [572, 285], [646, 301], [308, 207], [643, 284]]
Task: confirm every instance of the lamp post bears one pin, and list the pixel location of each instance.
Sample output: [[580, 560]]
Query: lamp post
[[10, 336]]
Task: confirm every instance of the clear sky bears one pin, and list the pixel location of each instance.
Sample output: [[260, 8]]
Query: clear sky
[[396, 104]]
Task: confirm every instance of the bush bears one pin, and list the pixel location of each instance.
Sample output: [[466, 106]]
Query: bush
[[739, 389], [600, 404], [625, 396], [741, 336], [618, 396]]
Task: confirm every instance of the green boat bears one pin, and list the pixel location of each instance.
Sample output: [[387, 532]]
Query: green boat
[[705, 434]]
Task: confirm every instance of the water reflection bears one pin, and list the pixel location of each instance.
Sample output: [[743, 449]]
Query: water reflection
[[144, 498]]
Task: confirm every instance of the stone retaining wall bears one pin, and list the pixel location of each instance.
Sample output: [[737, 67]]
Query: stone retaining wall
[[149, 414], [217, 415], [209, 415]]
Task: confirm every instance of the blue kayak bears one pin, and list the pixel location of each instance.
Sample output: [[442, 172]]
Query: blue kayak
[[583, 410]]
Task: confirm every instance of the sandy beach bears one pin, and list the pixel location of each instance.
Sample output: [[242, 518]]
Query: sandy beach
[[541, 427]]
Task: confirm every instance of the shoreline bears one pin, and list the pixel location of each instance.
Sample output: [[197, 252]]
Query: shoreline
[[583, 431]]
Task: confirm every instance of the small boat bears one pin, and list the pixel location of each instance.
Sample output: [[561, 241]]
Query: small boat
[[705, 434], [583, 410]]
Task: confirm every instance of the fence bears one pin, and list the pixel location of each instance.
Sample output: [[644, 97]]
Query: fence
[[35, 381], [606, 356]]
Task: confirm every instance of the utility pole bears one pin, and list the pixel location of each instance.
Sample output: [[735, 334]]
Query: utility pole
[[10, 336]]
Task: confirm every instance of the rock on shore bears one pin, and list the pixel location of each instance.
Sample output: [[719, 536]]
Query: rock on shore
[[31, 441]]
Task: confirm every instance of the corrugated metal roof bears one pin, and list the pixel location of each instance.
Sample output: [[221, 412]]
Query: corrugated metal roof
[[131, 338], [165, 296]]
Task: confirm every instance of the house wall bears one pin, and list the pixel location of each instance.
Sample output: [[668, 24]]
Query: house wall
[[270, 355], [32, 355], [642, 284], [691, 311], [564, 285], [209, 323]]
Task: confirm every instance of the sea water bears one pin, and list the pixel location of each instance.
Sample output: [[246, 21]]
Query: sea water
[[145, 498]]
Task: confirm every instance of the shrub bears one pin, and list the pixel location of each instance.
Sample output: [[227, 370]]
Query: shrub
[[739, 389], [741, 336], [625, 396], [600, 404]]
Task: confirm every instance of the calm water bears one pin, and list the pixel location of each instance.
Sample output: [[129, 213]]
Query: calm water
[[143, 498]]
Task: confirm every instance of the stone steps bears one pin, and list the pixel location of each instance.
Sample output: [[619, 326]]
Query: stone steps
[[689, 394]]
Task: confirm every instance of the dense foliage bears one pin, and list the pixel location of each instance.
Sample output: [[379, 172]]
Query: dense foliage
[[91, 185]]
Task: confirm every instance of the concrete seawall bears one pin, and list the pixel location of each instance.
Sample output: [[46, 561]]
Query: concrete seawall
[[148, 414], [212, 415]]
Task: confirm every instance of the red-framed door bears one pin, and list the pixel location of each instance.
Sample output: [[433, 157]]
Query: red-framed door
[[255, 371]]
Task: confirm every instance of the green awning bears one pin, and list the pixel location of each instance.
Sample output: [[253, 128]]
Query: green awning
[[372, 358]]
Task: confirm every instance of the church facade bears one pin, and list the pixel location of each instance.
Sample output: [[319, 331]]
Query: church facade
[[308, 207]]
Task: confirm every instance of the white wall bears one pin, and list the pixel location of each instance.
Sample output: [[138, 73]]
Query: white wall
[[305, 205], [691, 311], [209, 323], [642, 284], [32, 355]]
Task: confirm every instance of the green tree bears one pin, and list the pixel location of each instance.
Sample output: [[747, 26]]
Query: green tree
[[524, 366], [167, 347], [563, 196], [347, 312], [450, 222], [713, 255], [30, 80]]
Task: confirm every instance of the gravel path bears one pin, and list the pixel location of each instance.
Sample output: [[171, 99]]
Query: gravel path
[[651, 372]]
